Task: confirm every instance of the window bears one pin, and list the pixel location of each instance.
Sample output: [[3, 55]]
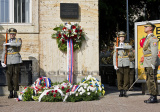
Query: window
[[15, 11]]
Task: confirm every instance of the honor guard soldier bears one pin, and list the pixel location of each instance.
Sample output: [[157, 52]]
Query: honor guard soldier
[[123, 64], [13, 62], [151, 61]]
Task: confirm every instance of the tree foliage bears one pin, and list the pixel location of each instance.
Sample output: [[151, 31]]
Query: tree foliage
[[113, 13]]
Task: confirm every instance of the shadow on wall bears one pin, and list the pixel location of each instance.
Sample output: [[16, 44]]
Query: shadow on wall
[[75, 67], [36, 70]]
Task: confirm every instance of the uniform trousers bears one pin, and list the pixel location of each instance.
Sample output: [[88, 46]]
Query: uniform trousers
[[151, 80], [123, 78], [13, 77]]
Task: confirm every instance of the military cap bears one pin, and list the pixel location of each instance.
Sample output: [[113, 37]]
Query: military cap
[[12, 30], [121, 34], [149, 24]]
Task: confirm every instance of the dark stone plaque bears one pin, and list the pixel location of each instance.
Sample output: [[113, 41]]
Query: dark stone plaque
[[69, 10], [25, 76]]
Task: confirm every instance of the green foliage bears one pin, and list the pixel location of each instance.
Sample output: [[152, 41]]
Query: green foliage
[[83, 97], [35, 98], [51, 98], [27, 96], [55, 83]]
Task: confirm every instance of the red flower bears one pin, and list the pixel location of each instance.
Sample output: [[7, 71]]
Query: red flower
[[73, 27], [80, 30], [62, 87], [52, 91], [76, 31], [67, 91], [48, 87], [64, 28], [65, 37], [47, 93], [63, 41], [44, 84], [59, 35], [54, 95], [39, 89], [55, 91], [91, 86], [75, 36]]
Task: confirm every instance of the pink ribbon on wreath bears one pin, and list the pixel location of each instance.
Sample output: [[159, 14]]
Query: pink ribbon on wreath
[[70, 60]]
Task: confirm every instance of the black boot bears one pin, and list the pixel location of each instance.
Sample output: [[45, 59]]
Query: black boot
[[10, 95], [121, 93], [125, 93], [15, 94], [152, 99], [145, 101]]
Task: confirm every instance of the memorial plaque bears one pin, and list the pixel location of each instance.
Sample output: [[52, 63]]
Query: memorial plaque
[[69, 10]]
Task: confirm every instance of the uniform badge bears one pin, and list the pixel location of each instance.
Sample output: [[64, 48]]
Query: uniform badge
[[154, 43]]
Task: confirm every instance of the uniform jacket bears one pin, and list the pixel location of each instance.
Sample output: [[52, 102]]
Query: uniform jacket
[[123, 59], [150, 51], [13, 56]]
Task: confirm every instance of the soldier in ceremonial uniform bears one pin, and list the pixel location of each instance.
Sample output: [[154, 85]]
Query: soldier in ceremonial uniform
[[13, 62], [151, 61], [123, 64]]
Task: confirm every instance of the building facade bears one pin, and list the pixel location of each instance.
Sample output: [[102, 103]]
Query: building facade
[[35, 20]]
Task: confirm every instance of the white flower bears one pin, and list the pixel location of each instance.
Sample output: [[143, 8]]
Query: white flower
[[89, 77], [80, 93], [93, 83], [84, 84], [74, 30], [76, 94], [100, 88], [80, 89], [88, 93], [68, 26], [72, 23], [91, 88]]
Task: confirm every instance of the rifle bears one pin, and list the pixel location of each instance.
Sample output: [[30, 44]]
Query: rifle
[[117, 49], [5, 58]]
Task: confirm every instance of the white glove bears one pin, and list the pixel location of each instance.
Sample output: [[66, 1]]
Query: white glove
[[153, 67], [3, 65], [115, 67], [119, 47], [7, 44]]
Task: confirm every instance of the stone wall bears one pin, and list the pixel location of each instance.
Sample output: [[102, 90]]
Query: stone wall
[[43, 50]]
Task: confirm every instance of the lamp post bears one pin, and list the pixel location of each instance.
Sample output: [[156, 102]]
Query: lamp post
[[127, 21]]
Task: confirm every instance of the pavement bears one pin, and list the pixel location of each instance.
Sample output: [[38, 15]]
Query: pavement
[[111, 102]]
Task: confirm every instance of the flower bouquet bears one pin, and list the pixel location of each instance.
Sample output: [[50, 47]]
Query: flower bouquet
[[69, 31], [89, 89]]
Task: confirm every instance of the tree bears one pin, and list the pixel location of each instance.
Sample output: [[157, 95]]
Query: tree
[[113, 12]]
